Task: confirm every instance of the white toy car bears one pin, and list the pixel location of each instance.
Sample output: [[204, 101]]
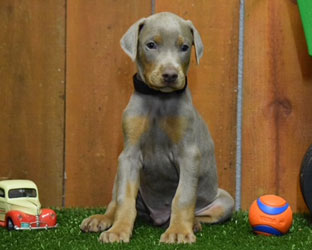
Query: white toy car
[[20, 208]]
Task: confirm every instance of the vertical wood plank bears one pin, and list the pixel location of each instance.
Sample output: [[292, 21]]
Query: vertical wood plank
[[32, 61], [277, 99], [99, 84], [213, 82]]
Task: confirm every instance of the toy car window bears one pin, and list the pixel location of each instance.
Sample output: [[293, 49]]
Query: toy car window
[[2, 193], [22, 192]]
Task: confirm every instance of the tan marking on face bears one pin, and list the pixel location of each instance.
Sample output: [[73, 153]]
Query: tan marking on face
[[158, 39], [185, 67], [134, 128], [149, 69], [175, 127], [153, 72], [180, 41]]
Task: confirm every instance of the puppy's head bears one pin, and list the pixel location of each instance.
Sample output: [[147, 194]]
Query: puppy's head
[[161, 47]]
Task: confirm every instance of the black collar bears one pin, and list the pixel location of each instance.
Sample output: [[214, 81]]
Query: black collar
[[142, 88]]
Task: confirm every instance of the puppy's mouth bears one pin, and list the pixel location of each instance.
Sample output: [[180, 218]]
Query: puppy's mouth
[[142, 86], [167, 87], [166, 82]]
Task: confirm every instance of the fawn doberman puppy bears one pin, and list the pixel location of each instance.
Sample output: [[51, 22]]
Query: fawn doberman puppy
[[167, 170]]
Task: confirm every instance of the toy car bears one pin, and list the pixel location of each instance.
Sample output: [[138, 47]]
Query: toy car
[[20, 208]]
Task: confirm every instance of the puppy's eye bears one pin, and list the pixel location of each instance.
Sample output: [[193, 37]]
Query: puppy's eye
[[185, 48], [151, 45]]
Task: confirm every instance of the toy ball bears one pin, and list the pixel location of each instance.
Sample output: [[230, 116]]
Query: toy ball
[[270, 215]]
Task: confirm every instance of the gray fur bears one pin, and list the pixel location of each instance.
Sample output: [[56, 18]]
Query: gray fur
[[172, 159]]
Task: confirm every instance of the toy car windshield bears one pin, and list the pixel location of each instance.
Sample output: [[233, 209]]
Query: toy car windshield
[[22, 192]]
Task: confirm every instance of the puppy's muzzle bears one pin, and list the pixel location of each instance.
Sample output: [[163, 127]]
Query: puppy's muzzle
[[170, 75]]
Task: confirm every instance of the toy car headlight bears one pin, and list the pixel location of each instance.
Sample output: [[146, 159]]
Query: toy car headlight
[[20, 217]]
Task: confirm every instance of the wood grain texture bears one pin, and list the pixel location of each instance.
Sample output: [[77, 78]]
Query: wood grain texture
[[99, 84], [213, 82], [277, 125], [32, 61]]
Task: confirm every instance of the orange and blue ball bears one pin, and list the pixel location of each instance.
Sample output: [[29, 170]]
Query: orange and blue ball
[[270, 215]]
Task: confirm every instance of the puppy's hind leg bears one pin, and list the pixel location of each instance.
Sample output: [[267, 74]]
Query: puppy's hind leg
[[218, 211]]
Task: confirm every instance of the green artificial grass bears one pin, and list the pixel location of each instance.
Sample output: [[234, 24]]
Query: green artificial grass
[[234, 234]]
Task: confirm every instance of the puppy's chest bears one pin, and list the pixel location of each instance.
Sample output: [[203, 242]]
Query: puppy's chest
[[151, 131], [158, 139]]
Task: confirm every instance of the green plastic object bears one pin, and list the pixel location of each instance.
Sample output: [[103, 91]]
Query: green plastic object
[[305, 7]]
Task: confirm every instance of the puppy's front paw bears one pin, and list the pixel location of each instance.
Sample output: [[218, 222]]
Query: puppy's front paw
[[114, 236], [96, 223], [171, 237]]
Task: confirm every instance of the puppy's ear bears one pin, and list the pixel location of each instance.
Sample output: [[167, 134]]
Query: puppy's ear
[[197, 41], [129, 41]]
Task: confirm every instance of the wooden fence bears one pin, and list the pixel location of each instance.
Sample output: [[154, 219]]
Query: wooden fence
[[64, 82]]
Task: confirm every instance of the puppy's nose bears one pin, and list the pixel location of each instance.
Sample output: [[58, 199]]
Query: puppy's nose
[[170, 75]]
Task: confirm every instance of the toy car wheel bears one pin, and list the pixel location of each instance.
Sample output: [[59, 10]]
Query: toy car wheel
[[10, 224]]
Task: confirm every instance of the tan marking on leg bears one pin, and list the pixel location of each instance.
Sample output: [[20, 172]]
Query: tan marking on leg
[[134, 128], [99, 222], [197, 226], [175, 128], [124, 218], [110, 211], [219, 210], [126, 211], [181, 224], [212, 215]]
